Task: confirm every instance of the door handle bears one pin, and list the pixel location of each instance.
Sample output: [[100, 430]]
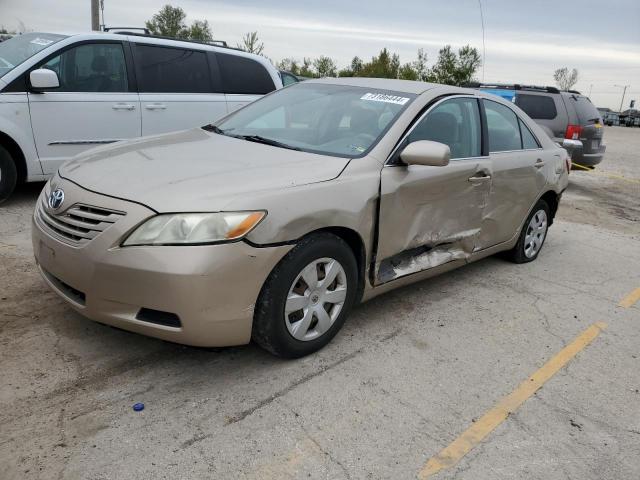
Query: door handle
[[539, 163], [480, 177], [123, 106], [155, 106]]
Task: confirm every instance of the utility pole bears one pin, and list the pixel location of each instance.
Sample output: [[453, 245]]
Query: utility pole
[[624, 91], [95, 15]]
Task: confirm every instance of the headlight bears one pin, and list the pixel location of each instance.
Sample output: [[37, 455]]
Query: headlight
[[194, 228]]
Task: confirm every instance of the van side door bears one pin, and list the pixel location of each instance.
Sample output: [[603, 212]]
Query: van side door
[[95, 104], [179, 87]]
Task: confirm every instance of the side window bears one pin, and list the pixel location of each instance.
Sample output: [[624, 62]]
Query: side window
[[538, 107], [243, 75], [454, 122], [93, 67], [502, 124], [172, 70], [528, 140]]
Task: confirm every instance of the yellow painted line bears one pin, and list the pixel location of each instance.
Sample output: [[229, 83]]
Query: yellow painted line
[[462, 445], [602, 174], [631, 299]]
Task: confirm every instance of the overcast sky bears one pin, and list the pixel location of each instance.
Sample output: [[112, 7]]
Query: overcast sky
[[524, 44]]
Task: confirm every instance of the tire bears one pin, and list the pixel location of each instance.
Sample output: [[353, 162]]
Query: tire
[[523, 251], [8, 174], [273, 329]]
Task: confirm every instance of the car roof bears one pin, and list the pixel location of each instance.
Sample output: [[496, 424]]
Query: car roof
[[407, 86]]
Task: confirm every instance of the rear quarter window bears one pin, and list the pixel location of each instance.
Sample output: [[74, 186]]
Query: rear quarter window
[[538, 107], [243, 75]]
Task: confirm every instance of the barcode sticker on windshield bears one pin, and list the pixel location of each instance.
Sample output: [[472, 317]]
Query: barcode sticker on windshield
[[383, 97], [41, 41]]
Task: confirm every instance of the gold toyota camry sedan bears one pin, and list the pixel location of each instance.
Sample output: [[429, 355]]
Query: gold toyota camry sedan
[[273, 223]]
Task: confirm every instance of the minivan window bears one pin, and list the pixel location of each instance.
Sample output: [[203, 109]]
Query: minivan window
[[243, 75], [587, 112], [22, 47], [93, 67], [334, 120], [502, 124], [538, 107], [171, 70], [455, 123]]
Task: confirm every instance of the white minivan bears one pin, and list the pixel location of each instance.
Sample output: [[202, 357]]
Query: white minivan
[[63, 94]]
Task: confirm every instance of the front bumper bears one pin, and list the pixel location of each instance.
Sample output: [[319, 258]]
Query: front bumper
[[212, 289]]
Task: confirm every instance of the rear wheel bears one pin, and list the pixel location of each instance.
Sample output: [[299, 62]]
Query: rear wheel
[[8, 174], [532, 236], [307, 297]]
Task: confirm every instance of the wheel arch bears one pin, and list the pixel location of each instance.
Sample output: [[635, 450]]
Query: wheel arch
[[553, 200], [16, 154]]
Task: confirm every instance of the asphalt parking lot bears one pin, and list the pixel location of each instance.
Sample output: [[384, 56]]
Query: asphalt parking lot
[[419, 371]]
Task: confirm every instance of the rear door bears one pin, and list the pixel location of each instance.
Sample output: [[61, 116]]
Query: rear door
[[179, 88], [588, 117], [95, 104], [519, 168], [243, 79]]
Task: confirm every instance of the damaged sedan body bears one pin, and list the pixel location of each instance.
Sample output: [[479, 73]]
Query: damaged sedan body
[[273, 223]]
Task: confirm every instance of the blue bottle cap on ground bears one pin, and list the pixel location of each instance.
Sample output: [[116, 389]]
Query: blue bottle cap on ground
[[138, 407]]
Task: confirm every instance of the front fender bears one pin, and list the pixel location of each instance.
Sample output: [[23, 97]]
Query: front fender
[[15, 123]]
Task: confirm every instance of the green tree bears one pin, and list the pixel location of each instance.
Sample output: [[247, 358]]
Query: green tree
[[385, 65], [420, 66], [289, 65], [325, 67], [200, 31], [565, 79], [251, 43], [455, 69], [306, 70], [408, 72], [170, 22]]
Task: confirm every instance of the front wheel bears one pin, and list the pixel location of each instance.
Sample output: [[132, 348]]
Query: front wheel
[[532, 236], [307, 297], [8, 174]]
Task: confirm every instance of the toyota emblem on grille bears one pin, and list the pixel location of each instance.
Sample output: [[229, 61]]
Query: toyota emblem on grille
[[56, 198]]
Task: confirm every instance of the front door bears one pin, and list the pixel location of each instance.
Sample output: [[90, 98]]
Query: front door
[[93, 105], [430, 216]]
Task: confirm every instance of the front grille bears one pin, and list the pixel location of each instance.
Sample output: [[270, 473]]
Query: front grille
[[79, 223]]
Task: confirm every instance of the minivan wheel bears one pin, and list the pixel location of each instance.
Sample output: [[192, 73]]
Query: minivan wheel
[[8, 174], [307, 297], [532, 236]]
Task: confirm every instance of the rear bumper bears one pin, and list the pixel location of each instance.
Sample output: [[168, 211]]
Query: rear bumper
[[211, 290], [589, 159]]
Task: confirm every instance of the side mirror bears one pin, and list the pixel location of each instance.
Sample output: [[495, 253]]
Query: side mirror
[[43, 79], [426, 152]]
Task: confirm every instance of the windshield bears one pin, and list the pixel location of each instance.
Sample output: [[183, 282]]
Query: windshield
[[336, 120], [21, 47]]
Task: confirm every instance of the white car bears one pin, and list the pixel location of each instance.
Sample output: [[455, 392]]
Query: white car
[[63, 94]]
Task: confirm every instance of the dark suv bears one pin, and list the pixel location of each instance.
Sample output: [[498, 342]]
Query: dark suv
[[562, 114]]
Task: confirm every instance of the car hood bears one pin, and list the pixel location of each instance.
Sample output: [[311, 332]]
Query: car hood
[[195, 170]]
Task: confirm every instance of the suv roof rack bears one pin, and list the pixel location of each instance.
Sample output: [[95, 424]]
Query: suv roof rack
[[127, 30], [147, 34], [512, 86]]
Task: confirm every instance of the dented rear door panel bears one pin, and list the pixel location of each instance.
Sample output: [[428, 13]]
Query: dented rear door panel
[[429, 215]]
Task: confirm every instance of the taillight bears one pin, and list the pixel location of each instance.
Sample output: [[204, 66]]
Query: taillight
[[573, 132]]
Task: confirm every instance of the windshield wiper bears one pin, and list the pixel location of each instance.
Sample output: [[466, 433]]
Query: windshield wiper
[[213, 128], [266, 141]]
